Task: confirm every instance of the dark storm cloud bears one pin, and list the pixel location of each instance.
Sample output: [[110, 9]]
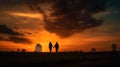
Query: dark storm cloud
[[12, 5], [2, 38], [20, 40], [6, 30], [16, 39], [69, 16], [29, 33], [8, 34]]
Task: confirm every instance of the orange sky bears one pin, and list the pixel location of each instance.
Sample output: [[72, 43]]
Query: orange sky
[[79, 41], [25, 20], [76, 42]]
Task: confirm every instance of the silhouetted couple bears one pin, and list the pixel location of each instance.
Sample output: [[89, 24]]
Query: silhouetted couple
[[51, 46]]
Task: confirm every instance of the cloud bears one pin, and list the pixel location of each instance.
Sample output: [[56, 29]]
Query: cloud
[[2, 39], [6, 30], [28, 15], [66, 17], [16, 39], [8, 34], [13, 5], [21, 20], [20, 40]]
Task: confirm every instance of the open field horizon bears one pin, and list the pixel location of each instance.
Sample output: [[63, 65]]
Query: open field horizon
[[61, 59], [64, 48]]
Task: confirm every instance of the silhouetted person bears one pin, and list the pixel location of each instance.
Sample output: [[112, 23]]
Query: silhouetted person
[[50, 47], [56, 47]]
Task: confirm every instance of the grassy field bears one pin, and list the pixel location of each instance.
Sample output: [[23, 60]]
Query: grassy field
[[62, 59]]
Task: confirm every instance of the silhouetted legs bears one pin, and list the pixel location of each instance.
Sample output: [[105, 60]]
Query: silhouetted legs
[[50, 50], [56, 50]]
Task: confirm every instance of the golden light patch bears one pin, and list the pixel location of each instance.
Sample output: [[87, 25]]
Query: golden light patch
[[29, 15]]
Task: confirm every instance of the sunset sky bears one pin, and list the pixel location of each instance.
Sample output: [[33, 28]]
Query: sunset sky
[[75, 24]]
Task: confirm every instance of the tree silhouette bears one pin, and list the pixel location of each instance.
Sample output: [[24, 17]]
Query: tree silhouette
[[38, 48], [23, 50], [114, 47], [93, 50], [18, 50]]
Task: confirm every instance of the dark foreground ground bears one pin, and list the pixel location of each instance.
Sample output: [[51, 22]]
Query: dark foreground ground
[[63, 59]]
